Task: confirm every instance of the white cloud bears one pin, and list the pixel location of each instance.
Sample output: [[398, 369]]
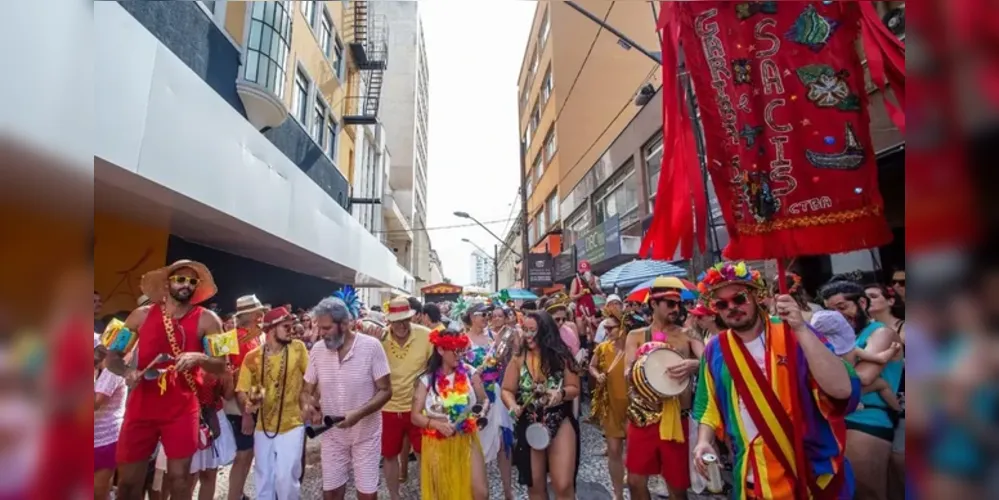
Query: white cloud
[[474, 50]]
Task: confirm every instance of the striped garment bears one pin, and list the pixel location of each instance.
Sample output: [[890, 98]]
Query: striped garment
[[108, 418], [769, 456]]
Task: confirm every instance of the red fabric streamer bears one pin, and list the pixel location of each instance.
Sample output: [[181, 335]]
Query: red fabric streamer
[[784, 109]]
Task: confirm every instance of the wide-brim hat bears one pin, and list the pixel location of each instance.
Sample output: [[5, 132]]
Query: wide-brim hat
[[248, 304], [399, 310], [154, 283], [142, 300], [277, 316], [701, 311]]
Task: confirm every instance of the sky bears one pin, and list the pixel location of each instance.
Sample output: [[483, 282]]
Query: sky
[[474, 53]]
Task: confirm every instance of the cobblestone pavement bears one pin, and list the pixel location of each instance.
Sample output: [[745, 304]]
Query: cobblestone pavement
[[593, 482]]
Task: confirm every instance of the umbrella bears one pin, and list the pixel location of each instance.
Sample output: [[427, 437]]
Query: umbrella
[[641, 292], [638, 271], [519, 294]]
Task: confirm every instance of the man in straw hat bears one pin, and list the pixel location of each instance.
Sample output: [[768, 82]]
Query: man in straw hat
[[348, 377], [657, 433], [788, 430], [249, 314], [270, 384], [169, 359], [408, 347]]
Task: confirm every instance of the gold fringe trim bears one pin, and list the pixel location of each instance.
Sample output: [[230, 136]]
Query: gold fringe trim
[[446, 467]]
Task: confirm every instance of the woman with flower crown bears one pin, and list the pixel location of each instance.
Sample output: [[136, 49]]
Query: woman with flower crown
[[447, 404]]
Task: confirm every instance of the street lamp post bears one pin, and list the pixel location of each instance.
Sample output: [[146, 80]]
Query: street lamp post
[[465, 215]]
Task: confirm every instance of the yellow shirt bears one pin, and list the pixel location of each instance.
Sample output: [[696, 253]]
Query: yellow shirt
[[406, 363], [250, 376]]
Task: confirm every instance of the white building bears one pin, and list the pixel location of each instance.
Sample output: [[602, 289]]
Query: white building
[[481, 269], [405, 114]]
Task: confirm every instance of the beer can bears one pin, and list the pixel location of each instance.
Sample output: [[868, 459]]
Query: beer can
[[715, 484]]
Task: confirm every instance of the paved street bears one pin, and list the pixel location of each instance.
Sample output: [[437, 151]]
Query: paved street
[[594, 482]]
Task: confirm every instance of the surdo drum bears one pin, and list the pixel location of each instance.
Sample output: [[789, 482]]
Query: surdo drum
[[650, 378]]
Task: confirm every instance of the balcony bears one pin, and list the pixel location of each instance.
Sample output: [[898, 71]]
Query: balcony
[[261, 81]]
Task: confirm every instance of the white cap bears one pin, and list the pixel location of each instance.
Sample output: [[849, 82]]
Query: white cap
[[614, 298], [837, 330]]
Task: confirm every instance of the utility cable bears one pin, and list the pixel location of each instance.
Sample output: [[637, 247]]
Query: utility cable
[[472, 224]]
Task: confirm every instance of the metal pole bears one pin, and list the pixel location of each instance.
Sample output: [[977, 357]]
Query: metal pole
[[496, 268], [523, 212], [493, 235], [622, 36]]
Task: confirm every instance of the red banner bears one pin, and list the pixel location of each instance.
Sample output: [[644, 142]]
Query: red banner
[[784, 108]]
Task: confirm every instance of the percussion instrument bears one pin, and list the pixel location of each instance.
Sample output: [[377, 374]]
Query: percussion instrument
[[537, 436], [328, 422], [118, 338], [650, 378], [151, 373]]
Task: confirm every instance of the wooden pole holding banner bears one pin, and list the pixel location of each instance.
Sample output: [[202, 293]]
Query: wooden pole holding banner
[[782, 276]]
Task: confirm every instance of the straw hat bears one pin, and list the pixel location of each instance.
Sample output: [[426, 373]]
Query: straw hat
[[248, 304], [277, 316], [399, 310], [143, 300], [154, 283]]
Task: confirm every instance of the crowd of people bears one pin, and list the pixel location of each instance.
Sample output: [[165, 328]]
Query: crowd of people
[[796, 398]]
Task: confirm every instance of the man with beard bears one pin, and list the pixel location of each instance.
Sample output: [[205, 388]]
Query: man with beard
[[776, 389], [348, 377], [408, 347], [249, 313], [870, 430], [163, 404], [656, 440]]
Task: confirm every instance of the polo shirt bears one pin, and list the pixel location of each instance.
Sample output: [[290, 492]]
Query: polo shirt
[[406, 363]]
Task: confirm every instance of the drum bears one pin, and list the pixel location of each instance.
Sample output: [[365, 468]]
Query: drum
[[649, 376], [537, 436]]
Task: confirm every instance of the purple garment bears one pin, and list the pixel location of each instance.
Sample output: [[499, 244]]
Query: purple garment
[[104, 457], [570, 338]]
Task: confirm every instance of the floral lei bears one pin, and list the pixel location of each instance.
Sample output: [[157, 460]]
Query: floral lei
[[455, 399], [725, 273]]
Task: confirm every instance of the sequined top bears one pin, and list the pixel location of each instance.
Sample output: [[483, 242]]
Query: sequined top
[[490, 371]]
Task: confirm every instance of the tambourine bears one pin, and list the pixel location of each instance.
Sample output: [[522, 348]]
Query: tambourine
[[537, 436], [650, 376]]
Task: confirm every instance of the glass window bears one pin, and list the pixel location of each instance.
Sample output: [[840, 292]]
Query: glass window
[[309, 11], [653, 152], [546, 27], [551, 208], [319, 123], [209, 5], [326, 36], [546, 86], [535, 118], [619, 196], [542, 223], [530, 185], [577, 223], [550, 144], [337, 58], [535, 60], [267, 46], [301, 100], [528, 135], [331, 131], [539, 168]]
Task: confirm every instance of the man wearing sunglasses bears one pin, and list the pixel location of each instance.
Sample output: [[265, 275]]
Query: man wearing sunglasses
[[163, 404], [650, 450], [775, 387]]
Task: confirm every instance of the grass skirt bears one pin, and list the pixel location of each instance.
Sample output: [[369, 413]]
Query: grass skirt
[[446, 467]]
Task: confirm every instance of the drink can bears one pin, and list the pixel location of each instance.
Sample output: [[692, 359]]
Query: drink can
[[715, 484]]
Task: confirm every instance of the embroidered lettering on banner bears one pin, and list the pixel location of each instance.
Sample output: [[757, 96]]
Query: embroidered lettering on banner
[[714, 52], [812, 205]]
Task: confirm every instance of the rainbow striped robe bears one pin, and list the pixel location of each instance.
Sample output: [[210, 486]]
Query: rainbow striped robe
[[811, 424]]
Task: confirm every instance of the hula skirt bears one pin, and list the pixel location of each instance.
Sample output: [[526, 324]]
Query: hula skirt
[[446, 466]]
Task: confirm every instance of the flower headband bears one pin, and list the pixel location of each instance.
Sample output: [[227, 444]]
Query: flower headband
[[453, 342], [727, 273]]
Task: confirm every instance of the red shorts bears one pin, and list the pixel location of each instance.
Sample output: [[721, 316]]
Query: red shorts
[[647, 455], [138, 437], [396, 426]]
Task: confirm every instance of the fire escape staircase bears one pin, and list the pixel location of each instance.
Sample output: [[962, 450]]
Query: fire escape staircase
[[368, 45]]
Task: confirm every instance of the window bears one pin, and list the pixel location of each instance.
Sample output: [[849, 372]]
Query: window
[[331, 131], [529, 185], [550, 144], [535, 60], [653, 152], [300, 103], [319, 123], [546, 87], [209, 5], [577, 223], [546, 27], [309, 11], [532, 234], [539, 168], [551, 208], [542, 223], [528, 135], [267, 46], [337, 58], [326, 35], [535, 118], [619, 196], [523, 97]]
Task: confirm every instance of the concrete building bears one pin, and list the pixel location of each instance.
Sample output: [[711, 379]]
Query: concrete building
[[436, 268], [405, 114], [228, 133], [481, 273]]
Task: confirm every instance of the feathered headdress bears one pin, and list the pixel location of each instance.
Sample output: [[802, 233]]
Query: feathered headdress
[[349, 297], [459, 309]]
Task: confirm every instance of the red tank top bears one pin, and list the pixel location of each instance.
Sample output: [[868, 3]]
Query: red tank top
[[247, 343], [146, 402]]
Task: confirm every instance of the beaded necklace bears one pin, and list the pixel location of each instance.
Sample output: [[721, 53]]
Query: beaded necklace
[[278, 382]]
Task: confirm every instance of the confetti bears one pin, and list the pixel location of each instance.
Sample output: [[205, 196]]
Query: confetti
[[858, 190], [830, 140]]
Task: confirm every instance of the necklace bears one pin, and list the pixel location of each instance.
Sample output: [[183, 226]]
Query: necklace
[[278, 382], [398, 352]]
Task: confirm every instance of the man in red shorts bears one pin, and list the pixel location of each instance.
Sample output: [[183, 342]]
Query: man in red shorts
[[658, 431], [163, 404]]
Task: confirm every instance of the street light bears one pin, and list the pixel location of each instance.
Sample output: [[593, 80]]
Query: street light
[[494, 258], [465, 215]]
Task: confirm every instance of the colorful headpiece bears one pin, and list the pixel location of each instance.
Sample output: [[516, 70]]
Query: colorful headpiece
[[350, 299], [583, 266], [449, 340], [729, 273]]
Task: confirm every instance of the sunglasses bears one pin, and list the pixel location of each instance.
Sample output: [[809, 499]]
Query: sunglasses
[[739, 299], [559, 320], [185, 280], [898, 282], [673, 304]]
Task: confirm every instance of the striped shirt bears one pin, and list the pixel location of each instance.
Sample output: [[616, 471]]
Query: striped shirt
[[348, 385], [108, 418]]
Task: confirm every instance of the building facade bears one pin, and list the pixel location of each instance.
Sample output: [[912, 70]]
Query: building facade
[[405, 114], [481, 271], [229, 131]]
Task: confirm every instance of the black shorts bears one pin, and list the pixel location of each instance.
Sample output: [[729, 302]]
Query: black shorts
[[243, 442]]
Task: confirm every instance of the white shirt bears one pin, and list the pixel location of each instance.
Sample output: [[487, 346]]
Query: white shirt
[[758, 349]]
